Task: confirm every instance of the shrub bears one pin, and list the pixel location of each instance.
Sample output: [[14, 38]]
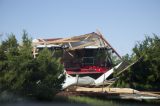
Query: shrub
[[23, 75], [145, 74]]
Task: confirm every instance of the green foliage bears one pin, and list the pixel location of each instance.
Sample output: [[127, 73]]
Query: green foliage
[[115, 60], [21, 74], [145, 74], [10, 46]]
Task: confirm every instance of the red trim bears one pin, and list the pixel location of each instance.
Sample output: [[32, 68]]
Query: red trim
[[72, 72], [87, 70]]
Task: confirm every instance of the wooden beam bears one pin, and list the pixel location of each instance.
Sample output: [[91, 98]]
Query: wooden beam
[[83, 45], [101, 36], [81, 36], [128, 66], [70, 44], [56, 42]]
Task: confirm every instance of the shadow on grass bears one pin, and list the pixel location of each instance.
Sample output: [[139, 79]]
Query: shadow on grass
[[7, 99]]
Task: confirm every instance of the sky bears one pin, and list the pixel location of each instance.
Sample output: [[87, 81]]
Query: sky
[[122, 22]]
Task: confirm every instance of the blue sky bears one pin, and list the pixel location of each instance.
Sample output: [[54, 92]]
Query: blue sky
[[123, 22]]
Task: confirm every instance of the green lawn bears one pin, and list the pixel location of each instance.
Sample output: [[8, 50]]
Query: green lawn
[[91, 101], [100, 102]]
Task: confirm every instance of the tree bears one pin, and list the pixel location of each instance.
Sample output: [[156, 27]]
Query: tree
[[21, 74], [10, 46], [145, 74]]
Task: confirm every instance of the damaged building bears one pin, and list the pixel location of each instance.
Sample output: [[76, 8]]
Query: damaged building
[[84, 54]]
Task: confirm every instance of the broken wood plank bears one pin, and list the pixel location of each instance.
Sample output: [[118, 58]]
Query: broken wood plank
[[56, 42], [83, 45], [106, 89]]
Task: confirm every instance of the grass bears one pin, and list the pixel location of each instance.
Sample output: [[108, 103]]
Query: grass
[[78, 100], [100, 102], [91, 101]]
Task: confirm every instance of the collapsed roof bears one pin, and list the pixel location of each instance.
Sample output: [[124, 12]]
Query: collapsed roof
[[90, 40]]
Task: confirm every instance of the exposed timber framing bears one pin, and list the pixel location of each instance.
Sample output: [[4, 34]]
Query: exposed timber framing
[[83, 45], [94, 39], [101, 36]]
